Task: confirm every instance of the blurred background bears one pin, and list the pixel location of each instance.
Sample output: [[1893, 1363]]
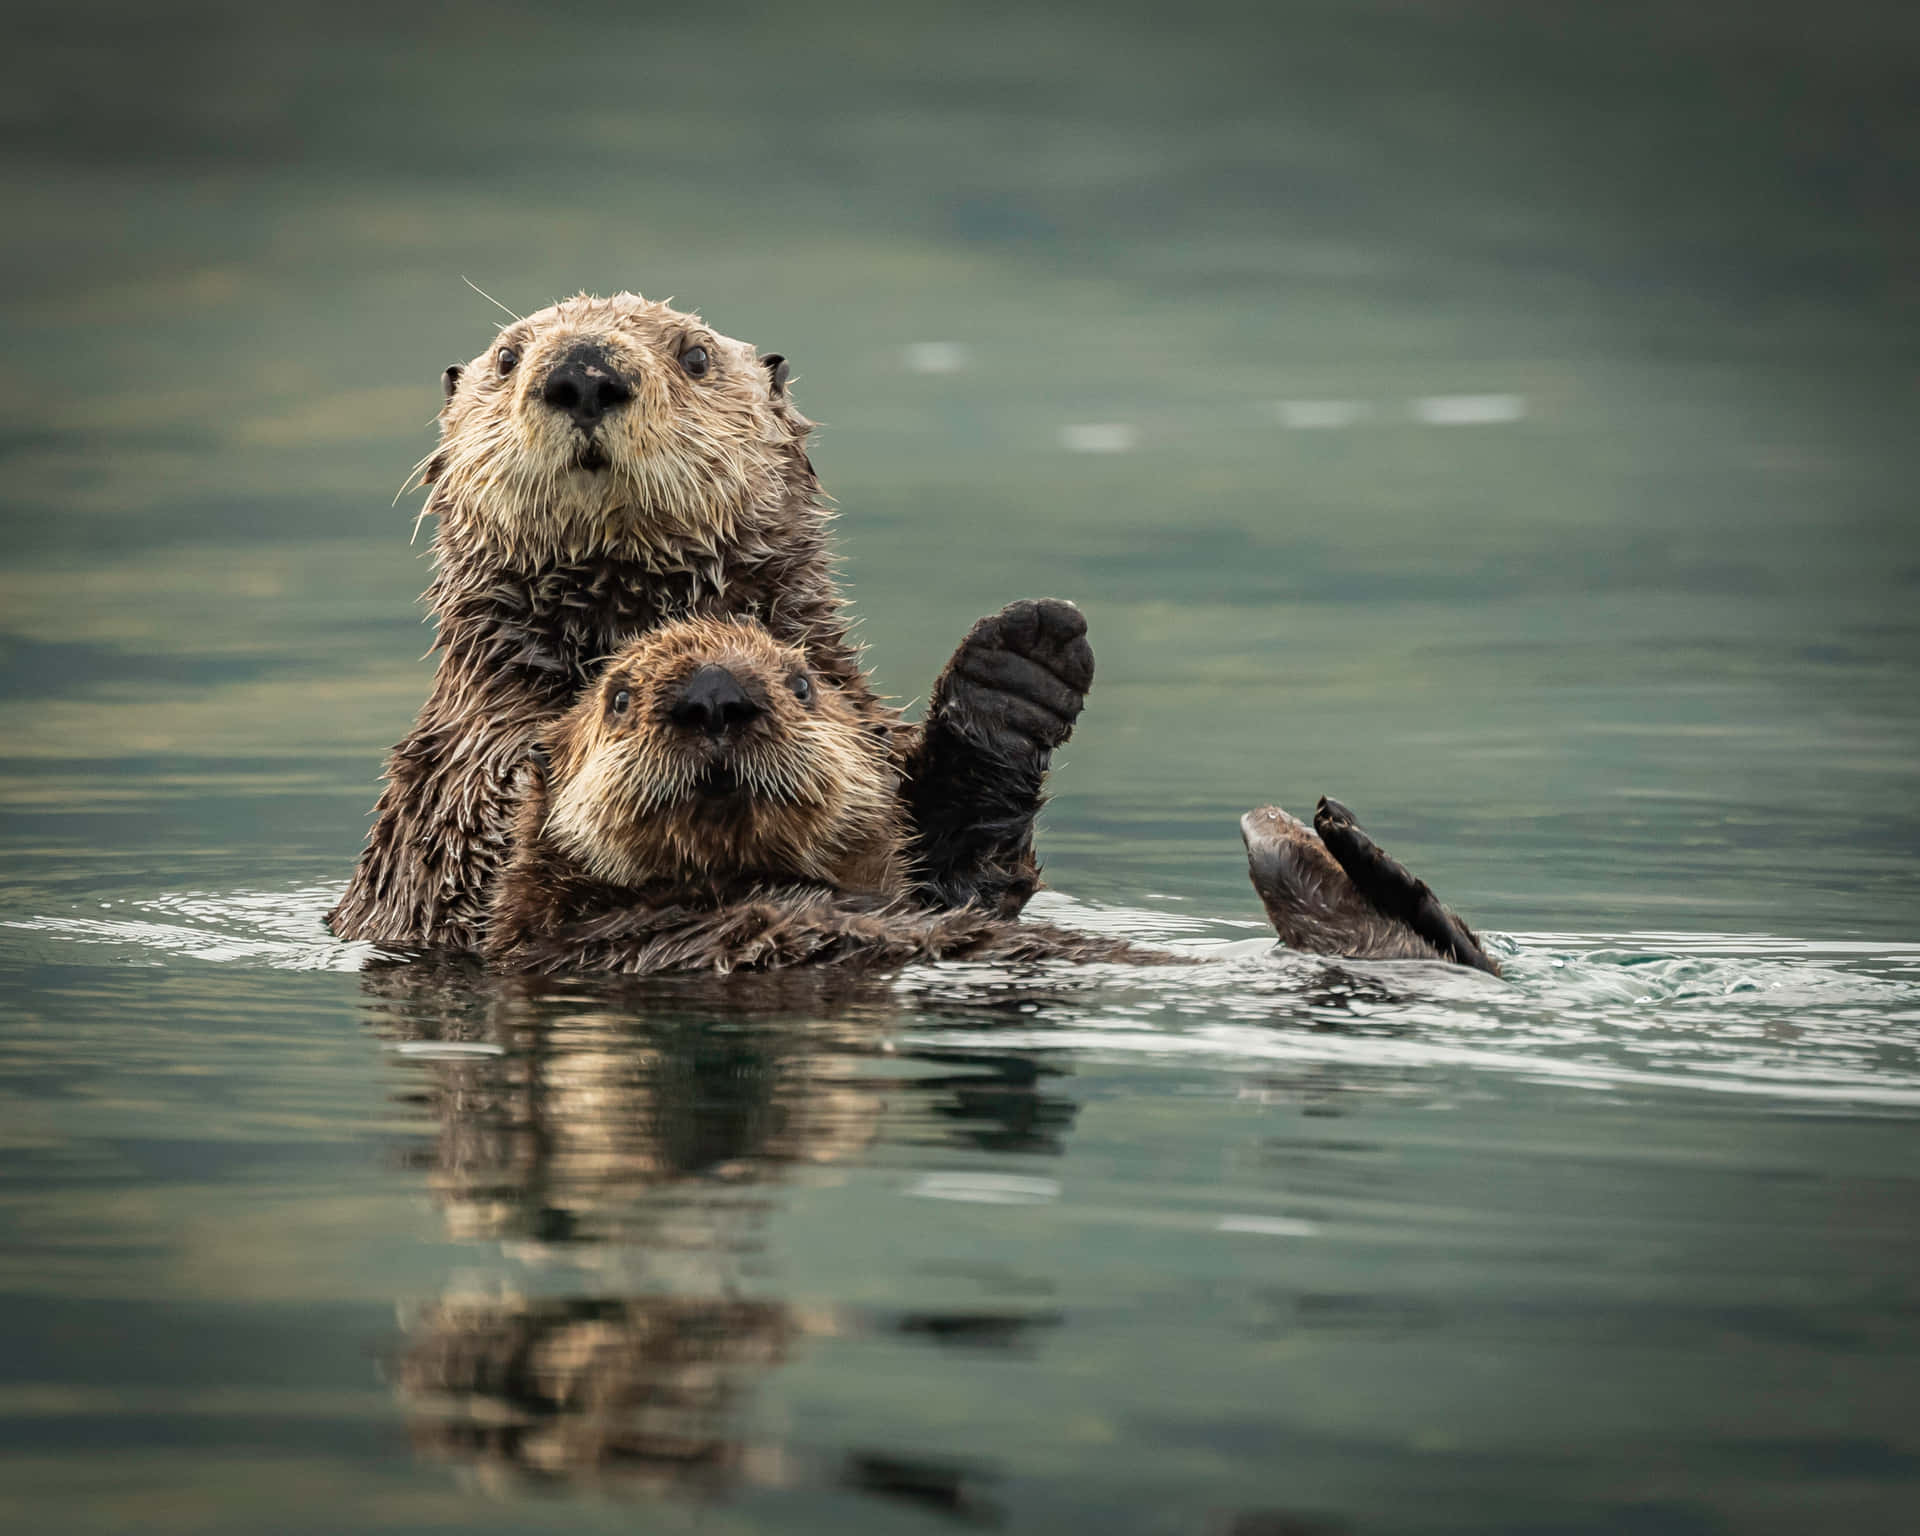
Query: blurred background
[[1500, 415], [1497, 415]]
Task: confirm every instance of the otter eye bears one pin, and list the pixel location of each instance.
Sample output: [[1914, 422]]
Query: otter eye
[[802, 686], [505, 358], [619, 702], [695, 361]]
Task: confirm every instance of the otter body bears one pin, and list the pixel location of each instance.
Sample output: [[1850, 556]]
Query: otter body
[[608, 465], [709, 806], [712, 805]]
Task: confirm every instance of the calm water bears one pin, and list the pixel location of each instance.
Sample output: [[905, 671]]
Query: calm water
[[1500, 417]]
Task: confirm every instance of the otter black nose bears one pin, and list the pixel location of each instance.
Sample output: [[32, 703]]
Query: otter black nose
[[585, 385], [713, 701]]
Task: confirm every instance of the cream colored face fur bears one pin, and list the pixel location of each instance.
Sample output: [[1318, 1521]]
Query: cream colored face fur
[[686, 460], [629, 797]]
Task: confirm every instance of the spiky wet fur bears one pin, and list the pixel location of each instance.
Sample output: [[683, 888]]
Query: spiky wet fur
[[620, 862], [708, 505], [817, 799], [700, 474]]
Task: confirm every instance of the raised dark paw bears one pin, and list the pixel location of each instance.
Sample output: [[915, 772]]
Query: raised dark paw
[[1020, 678]]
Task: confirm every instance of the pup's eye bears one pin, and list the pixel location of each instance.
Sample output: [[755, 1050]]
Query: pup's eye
[[618, 703], [802, 686], [504, 360], [695, 361]]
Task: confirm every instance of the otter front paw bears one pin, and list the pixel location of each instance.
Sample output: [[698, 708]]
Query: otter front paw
[[1019, 680], [976, 780]]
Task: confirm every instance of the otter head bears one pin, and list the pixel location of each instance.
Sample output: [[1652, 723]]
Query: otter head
[[709, 754], [615, 427]]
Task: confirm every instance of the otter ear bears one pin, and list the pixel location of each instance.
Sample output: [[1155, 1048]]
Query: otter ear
[[777, 372], [450, 380]]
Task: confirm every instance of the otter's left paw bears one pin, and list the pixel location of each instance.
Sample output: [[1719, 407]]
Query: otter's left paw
[[1020, 678]]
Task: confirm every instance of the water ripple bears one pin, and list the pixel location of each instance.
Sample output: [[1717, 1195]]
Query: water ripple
[[1803, 1021]]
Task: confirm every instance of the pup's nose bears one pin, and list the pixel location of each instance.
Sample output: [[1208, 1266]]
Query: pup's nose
[[713, 701], [585, 385]]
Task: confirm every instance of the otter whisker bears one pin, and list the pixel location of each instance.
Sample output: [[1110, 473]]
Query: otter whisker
[[416, 477], [487, 296]]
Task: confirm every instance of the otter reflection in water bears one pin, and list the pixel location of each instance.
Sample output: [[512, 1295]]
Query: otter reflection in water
[[626, 1153]]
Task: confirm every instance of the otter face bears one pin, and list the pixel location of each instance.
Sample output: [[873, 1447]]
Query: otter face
[[614, 427], [707, 753]]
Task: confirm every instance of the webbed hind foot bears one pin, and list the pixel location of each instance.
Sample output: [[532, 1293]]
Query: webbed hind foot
[[1394, 890]]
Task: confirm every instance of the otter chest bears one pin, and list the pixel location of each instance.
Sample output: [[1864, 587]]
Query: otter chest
[[559, 623]]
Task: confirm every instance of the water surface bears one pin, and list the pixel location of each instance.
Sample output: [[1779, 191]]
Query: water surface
[[1498, 419]]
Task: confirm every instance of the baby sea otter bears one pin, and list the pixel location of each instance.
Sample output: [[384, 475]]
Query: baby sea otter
[[610, 464], [713, 803]]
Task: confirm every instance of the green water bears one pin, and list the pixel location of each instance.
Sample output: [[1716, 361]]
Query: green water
[[1174, 313]]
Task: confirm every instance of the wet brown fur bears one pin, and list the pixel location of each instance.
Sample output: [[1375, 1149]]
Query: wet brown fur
[[621, 863], [706, 504], [1314, 904], [1309, 899], [627, 796], [626, 860]]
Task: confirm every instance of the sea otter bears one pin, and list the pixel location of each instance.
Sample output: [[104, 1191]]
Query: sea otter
[[607, 464], [711, 803]]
